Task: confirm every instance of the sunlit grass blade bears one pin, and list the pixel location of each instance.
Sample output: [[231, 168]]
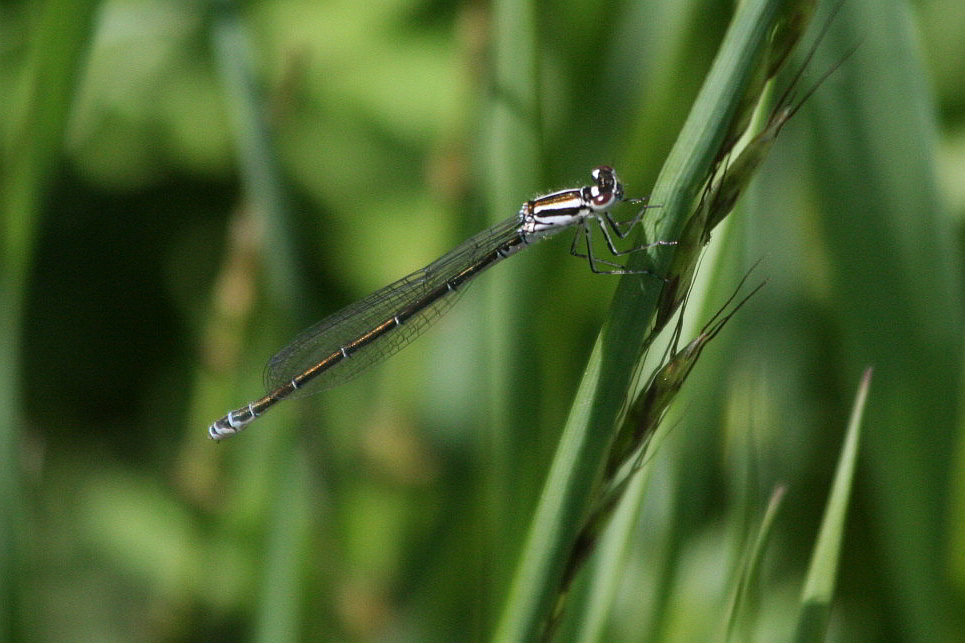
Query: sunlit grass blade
[[823, 572], [574, 477], [611, 525], [607, 571]]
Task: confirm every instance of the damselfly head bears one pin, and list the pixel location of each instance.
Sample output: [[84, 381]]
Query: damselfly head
[[605, 178], [608, 188]]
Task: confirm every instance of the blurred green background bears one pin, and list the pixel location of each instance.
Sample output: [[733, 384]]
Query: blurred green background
[[185, 185]]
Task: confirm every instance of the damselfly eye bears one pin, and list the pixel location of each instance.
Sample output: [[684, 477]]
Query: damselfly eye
[[605, 178]]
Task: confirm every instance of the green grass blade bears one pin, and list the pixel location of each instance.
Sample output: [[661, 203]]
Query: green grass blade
[[895, 266], [609, 564], [743, 593], [581, 455], [256, 152], [279, 615], [28, 160], [823, 572], [511, 141], [276, 615]]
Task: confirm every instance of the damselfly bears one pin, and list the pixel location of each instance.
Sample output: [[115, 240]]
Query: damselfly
[[368, 331]]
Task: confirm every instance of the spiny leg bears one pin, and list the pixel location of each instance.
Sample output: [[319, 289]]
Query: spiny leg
[[609, 240], [623, 228], [593, 260]]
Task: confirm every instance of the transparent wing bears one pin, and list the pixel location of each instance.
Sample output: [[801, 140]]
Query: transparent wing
[[340, 329]]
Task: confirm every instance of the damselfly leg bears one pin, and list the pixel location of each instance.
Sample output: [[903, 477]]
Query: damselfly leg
[[607, 226]]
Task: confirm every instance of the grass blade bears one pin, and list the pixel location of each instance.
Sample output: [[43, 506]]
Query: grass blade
[[583, 449], [751, 568], [891, 241], [512, 141], [822, 574], [28, 160]]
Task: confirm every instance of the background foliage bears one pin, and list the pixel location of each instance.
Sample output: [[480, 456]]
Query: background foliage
[[185, 185]]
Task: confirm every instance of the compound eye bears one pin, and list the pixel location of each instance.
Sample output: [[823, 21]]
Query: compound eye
[[605, 177], [603, 200]]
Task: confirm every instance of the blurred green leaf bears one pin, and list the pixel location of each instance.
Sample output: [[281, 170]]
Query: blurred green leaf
[[57, 44]]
